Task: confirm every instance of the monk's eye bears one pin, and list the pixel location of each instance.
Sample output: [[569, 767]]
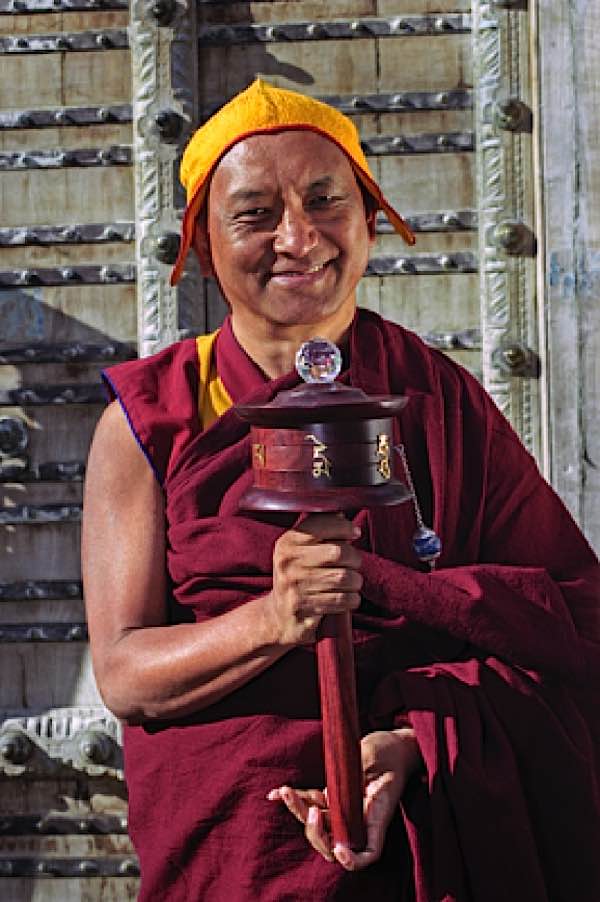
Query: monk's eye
[[323, 201], [253, 213]]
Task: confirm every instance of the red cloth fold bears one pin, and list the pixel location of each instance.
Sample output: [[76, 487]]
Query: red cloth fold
[[494, 658]]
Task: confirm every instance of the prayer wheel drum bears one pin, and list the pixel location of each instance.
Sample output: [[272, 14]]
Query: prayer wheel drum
[[323, 447], [326, 447]]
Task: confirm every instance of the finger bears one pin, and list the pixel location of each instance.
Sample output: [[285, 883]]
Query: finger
[[331, 554], [379, 809], [324, 590], [315, 579], [310, 583], [378, 813], [354, 861], [328, 603], [328, 527], [317, 832], [297, 801]]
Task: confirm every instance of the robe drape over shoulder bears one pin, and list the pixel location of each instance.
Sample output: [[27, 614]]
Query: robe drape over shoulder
[[494, 658]]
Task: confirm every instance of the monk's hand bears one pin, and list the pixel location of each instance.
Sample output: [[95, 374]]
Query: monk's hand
[[316, 571], [389, 759]]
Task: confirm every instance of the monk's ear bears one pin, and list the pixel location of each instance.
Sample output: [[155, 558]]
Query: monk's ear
[[201, 244]]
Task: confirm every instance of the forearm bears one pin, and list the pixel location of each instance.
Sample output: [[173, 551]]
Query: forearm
[[161, 672], [515, 612]]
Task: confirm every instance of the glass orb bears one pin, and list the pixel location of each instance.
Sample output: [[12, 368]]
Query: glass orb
[[318, 360]]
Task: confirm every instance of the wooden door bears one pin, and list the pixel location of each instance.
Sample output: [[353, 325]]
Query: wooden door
[[443, 95]]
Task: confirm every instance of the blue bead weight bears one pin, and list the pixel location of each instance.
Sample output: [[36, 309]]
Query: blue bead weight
[[427, 544]]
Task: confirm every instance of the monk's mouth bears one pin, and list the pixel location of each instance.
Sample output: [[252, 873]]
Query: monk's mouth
[[300, 276]]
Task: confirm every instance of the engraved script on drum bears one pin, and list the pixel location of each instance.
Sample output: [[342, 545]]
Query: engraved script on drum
[[258, 454], [383, 452], [321, 463]]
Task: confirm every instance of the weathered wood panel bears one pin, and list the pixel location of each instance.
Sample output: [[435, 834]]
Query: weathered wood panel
[[90, 313], [62, 800], [569, 270], [439, 63], [19, 257], [587, 61], [40, 552], [26, 197], [64, 437], [71, 138], [420, 183], [61, 80]]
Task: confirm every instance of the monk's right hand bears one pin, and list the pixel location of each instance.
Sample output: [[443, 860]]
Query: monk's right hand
[[316, 571]]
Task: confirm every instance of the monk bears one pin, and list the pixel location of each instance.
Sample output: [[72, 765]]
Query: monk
[[477, 680]]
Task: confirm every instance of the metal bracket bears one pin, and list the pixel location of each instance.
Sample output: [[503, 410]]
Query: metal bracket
[[18, 7], [465, 340], [113, 866], [443, 221], [34, 515], [65, 116], [111, 39], [114, 273], [374, 27], [42, 395], [398, 102], [119, 155], [20, 470], [422, 264], [403, 145], [66, 353], [43, 632], [79, 233], [54, 823], [41, 590]]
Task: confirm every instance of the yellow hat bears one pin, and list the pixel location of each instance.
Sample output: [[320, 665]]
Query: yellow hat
[[262, 109]]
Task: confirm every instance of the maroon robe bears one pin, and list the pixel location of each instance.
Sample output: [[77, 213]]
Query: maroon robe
[[494, 657]]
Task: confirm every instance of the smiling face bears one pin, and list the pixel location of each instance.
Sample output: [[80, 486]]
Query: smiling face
[[288, 238]]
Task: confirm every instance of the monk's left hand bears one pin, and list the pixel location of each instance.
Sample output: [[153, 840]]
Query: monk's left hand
[[389, 759]]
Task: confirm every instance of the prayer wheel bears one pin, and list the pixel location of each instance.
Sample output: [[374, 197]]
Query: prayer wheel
[[324, 447]]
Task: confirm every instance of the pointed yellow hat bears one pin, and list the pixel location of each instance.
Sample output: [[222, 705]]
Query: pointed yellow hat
[[262, 109]]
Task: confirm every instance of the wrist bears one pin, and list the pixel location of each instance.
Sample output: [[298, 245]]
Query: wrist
[[408, 748], [269, 625]]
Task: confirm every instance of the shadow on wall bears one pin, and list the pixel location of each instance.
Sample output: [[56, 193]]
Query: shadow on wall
[[224, 71]]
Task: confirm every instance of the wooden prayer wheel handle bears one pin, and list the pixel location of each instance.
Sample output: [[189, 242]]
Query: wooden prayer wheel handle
[[341, 734], [324, 447]]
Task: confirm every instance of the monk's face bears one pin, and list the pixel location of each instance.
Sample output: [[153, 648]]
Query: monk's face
[[287, 234]]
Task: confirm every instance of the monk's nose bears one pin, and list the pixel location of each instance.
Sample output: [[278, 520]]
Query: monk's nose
[[295, 233]]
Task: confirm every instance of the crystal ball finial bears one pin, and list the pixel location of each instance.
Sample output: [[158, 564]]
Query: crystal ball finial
[[318, 360]]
